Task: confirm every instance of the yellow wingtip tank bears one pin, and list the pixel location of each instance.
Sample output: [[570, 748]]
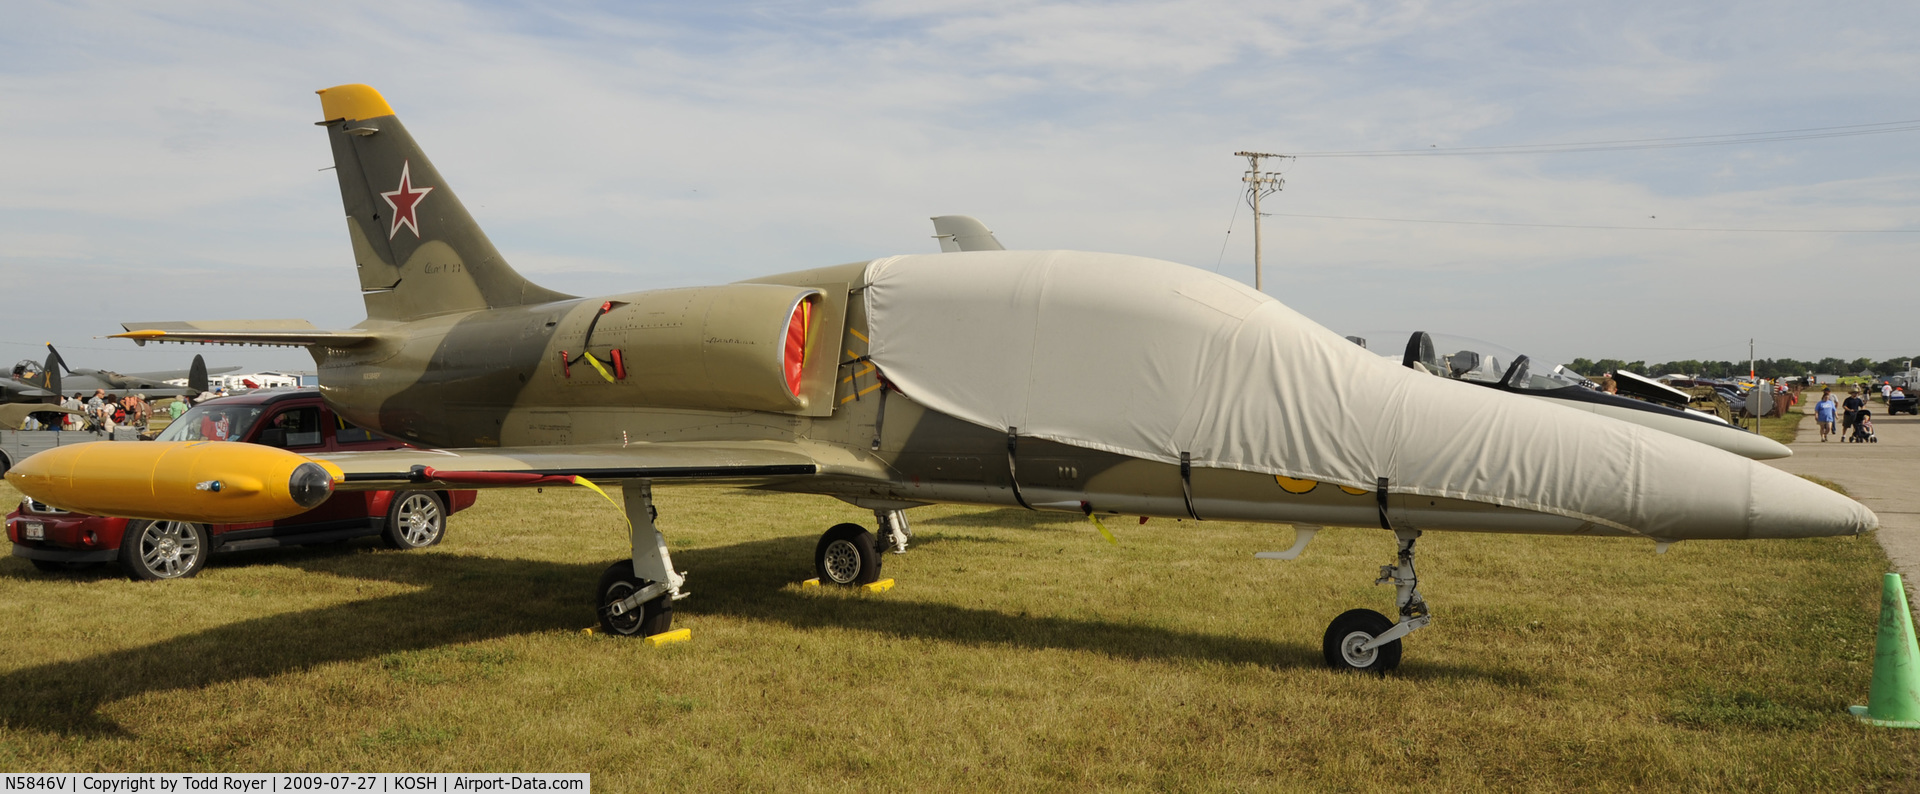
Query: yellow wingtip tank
[[201, 481], [352, 102]]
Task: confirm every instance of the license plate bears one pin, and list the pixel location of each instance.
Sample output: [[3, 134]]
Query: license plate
[[33, 530]]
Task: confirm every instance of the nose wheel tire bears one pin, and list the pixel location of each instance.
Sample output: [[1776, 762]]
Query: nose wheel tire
[[1354, 628], [616, 584], [415, 520], [846, 556], [155, 550]]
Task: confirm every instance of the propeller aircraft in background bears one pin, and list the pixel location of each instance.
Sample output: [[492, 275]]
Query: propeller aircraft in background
[[34, 382]]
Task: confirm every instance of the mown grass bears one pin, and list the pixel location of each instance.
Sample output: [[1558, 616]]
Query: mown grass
[[1019, 652]]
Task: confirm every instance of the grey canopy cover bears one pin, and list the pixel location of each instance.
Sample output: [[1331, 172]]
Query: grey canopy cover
[[1152, 359]]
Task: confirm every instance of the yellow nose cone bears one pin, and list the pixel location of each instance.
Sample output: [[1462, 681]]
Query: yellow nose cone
[[204, 481]]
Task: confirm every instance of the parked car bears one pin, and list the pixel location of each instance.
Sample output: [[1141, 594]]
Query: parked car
[[296, 419]]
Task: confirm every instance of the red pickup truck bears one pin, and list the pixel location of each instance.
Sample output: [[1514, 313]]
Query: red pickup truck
[[296, 419]]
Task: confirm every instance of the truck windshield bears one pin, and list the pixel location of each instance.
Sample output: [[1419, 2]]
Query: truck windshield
[[212, 423]]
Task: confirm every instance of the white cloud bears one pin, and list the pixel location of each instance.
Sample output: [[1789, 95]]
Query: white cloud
[[621, 147]]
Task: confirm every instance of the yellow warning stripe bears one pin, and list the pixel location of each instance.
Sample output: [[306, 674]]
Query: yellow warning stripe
[[861, 373], [861, 393], [857, 335]]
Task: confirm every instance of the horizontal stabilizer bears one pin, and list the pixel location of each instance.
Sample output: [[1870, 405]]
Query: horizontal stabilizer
[[270, 333]]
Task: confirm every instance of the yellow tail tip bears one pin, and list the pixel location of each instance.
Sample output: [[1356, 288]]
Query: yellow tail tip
[[352, 102]]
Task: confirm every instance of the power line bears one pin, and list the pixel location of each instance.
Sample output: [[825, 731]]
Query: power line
[[1601, 228], [1260, 184], [1680, 142]]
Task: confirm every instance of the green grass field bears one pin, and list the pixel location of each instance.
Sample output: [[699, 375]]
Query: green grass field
[[1019, 652]]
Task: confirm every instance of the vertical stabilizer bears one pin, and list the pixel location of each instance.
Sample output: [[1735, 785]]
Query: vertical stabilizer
[[197, 376], [420, 254], [963, 233]]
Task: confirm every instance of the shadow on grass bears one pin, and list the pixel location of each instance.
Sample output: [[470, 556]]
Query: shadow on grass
[[467, 599]]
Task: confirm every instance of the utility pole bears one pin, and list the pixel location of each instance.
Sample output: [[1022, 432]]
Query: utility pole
[[1259, 183]]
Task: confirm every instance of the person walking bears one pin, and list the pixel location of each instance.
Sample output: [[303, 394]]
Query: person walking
[[1886, 391], [1823, 414], [1850, 412]]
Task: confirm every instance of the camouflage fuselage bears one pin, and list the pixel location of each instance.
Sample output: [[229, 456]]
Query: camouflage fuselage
[[496, 377]]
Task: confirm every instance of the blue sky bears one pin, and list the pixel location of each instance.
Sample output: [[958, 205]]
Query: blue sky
[[159, 162]]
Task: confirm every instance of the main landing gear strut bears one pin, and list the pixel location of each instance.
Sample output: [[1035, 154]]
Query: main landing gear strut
[[635, 596], [849, 555], [1365, 640]]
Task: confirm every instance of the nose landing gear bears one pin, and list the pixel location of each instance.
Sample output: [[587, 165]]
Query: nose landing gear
[[1366, 641]]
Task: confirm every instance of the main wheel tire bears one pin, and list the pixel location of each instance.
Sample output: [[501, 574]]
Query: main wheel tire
[[155, 550], [616, 584], [846, 556], [5, 464], [415, 520], [1354, 628]]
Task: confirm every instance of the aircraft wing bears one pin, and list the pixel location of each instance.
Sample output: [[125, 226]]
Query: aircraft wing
[[12, 390], [159, 379], [272, 333], [506, 467]]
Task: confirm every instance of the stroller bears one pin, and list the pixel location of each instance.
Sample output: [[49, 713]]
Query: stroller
[[1863, 429]]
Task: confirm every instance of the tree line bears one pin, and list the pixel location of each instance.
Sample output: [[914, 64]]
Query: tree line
[[1765, 368]]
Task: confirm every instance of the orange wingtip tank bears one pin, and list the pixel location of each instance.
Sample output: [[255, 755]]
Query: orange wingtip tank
[[203, 481]]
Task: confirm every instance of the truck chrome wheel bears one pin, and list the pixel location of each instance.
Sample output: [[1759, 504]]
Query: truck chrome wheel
[[154, 550], [415, 520]]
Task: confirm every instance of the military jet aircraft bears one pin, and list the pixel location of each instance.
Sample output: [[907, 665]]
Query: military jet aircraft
[[33, 382], [1085, 383]]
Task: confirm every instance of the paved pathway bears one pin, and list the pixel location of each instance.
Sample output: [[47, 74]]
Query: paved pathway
[[1884, 476]]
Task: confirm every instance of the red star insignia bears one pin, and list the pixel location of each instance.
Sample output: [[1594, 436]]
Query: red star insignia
[[404, 200]]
